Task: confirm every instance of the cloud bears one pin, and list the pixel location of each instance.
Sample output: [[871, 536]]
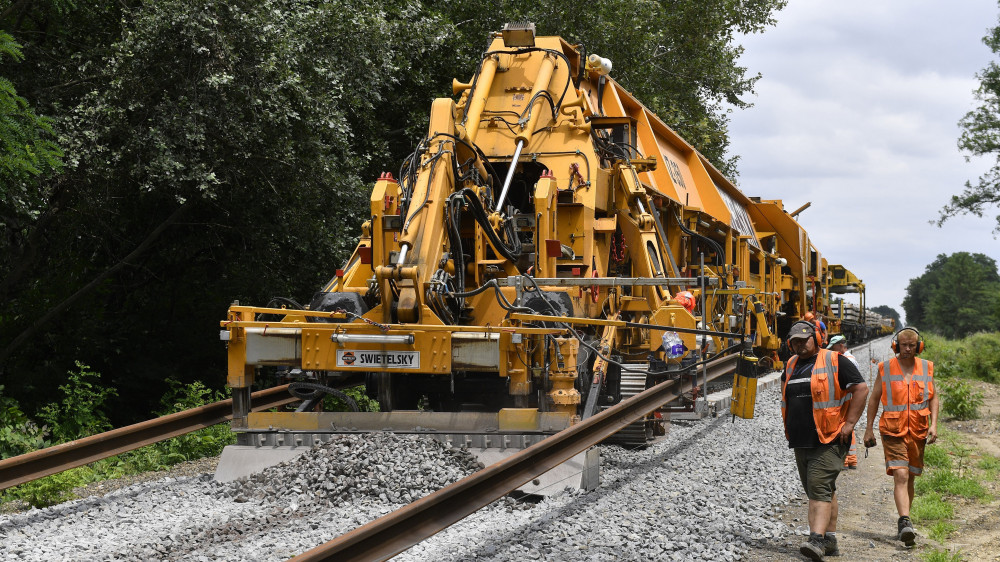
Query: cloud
[[857, 112]]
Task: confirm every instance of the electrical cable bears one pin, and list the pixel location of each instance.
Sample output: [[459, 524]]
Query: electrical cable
[[309, 391]]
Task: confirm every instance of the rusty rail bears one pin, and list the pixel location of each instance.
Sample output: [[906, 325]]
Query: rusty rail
[[391, 534], [43, 462]]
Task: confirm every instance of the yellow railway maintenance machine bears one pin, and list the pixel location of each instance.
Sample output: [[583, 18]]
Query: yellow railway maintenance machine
[[520, 271]]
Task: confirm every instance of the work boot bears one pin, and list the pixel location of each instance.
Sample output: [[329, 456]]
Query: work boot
[[831, 548], [906, 532], [814, 548]]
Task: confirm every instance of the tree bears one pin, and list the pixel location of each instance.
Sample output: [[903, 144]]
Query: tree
[[981, 137], [219, 153], [27, 148], [888, 311], [956, 296]]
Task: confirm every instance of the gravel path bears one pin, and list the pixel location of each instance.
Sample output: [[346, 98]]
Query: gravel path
[[709, 490]]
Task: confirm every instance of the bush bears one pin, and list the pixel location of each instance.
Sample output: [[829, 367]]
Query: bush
[[81, 411], [930, 507], [52, 489], [333, 403], [977, 356], [981, 359], [22, 438], [960, 400], [206, 442], [80, 414]]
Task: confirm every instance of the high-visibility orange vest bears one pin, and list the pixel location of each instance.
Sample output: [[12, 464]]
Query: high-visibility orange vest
[[906, 407], [830, 402]]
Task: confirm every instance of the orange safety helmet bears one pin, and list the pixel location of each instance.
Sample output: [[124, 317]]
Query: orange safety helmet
[[685, 299], [809, 316]]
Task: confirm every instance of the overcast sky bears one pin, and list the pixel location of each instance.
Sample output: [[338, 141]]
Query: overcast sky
[[857, 112]]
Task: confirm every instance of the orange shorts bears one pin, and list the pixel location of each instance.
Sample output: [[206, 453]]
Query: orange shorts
[[903, 452]]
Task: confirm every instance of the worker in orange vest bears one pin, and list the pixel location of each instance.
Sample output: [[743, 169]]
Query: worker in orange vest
[[820, 326], [838, 343], [822, 397], [905, 390]]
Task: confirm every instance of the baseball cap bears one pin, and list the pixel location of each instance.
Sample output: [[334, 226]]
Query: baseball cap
[[835, 340], [801, 329]]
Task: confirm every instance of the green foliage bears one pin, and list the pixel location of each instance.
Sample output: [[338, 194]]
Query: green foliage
[[941, 556], [989, 465], [956, 296], [930, 507], [27, 148], [976, 356], [18, 433], [202, 443], [22, 438], [52, 489], [81, 411], [959, 399], [945, 481], [886, 310], [935, 456], [941, 530], [365, 404], [980, 129]]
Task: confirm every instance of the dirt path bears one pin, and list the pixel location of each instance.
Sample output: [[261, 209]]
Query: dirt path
[[867, 520]]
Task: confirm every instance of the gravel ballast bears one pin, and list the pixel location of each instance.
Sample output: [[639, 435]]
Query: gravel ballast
[[707, 491]]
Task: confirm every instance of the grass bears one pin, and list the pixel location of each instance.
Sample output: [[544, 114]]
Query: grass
[[937, 457], [931, 507], [990, 466], [944, 481], [941, 556], [941, 530]]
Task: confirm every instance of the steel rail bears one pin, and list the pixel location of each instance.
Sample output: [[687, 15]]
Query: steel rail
[[395, 532], [43, 462]]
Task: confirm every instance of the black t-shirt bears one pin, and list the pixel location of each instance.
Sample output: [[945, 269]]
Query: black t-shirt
[[799, 419]]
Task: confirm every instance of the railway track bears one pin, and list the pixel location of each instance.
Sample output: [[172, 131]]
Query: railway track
[[394, 533], [51, 460]]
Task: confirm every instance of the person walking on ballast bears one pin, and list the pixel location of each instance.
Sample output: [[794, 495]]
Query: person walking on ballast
[[909, 420], [822, 397], [838, 343]]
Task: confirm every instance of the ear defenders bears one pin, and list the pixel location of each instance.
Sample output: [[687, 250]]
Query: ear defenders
[[810, 326], [895, 340]]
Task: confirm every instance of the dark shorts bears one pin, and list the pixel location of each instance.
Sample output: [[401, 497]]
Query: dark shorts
[[819, 468]]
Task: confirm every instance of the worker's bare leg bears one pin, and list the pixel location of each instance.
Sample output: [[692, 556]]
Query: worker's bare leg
[[909, 489], [822, 516], [902, 490]]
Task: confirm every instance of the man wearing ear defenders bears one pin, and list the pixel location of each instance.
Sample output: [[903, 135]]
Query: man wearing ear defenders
[[905, 390], [822, 398]]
